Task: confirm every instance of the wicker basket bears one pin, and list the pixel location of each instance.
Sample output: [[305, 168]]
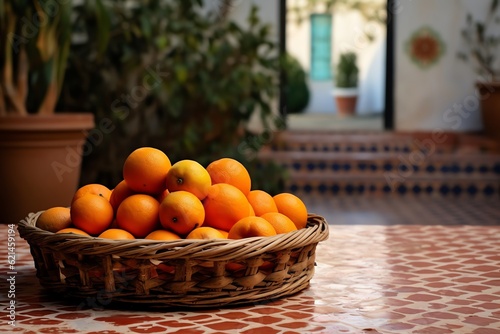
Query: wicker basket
[[187, 273]]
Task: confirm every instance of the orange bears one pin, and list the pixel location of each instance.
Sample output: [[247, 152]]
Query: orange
[[261, 202], [230, 171], [162, 195], [205, 232], [92, 213], [235, 266], [138, 214], [251, 227], [145, 170], [92, 188], [280, 222], [181, 212], [189, 175], [73, 230], [292, 207], [224, 206], [162, 235], [54, 219], [118, 194], [117, 234], [251, 211], [224, 233]]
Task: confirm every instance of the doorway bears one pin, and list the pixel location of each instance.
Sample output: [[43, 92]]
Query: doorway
[[315, 36]]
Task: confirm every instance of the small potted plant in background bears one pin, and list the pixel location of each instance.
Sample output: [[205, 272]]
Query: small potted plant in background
[[40, 150], [346, 84], [482, 49]]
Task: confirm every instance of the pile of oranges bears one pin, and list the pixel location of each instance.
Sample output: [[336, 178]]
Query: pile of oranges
[[160, 201]]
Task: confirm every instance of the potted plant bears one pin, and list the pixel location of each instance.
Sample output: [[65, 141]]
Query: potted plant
[[39, 149], [482, 42], [346, 84]]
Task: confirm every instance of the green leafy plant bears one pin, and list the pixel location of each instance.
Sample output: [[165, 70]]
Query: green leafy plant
[[482, 42], [346, 71], [370, 10], [35, 40], [297, 90], [173, 77]]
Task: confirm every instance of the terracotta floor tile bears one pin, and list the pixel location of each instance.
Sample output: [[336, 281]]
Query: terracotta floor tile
[[421, 297], [398, 326], [186, 331], [485, 298], [175, 323], [489, 306], [408, 310], [481, 321], [227, 325], [265, 320], [440, 315], [234, 315], [56, 330], [262, 330], [147, 329], [484, 331], [423, 321], [294, 324]]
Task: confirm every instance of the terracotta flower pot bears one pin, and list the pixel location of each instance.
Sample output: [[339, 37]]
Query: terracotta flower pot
[[40, 162], [490, 108], [346, 100]]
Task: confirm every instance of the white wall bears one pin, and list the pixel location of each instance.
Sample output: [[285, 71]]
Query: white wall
[[442, 96], [348, 34], [268, 12]]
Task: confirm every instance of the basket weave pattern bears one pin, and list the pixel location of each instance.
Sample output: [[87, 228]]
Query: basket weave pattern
[[190, 273]]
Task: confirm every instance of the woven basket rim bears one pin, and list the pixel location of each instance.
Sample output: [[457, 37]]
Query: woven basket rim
[[215, 249]]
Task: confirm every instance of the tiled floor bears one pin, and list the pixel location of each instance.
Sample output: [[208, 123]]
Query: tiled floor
[[401, 210], [389, 266]]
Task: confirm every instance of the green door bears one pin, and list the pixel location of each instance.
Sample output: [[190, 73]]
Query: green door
[[321, 46]]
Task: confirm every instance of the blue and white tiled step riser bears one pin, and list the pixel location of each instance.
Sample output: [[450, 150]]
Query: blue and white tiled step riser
[[344, 148], [373, 164], [409, 188], [452, 179], [390, 166], [377, 142], [385, 164]]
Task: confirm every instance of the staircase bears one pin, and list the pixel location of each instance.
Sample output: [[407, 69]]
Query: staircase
[[387, 163]]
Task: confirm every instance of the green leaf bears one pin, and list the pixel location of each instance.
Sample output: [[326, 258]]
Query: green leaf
[[146, 27], [103, 26], [494, 5], [480, 31]]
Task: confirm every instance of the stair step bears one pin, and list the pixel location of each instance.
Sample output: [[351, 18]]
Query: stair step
[[370, 163], [319, 176], [322, 141], [381, 186], [369, 156], [387, 163]]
